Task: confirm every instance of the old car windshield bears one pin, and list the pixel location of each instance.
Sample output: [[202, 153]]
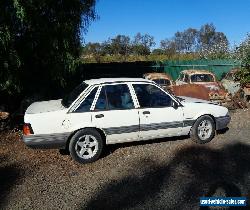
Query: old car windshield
[[72, 96], [202, 78], [162, 82]]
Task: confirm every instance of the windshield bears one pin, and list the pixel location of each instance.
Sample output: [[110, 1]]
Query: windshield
[[164, 82], [72, 96], [202, 78]]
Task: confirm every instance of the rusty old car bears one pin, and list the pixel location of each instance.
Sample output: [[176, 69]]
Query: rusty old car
[[167, 83], [206, 79], [160, 78], [233, 86]]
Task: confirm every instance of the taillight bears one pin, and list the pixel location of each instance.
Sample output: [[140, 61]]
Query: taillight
[[27, 129]]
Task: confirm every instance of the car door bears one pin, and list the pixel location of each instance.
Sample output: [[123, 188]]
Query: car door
[[115, 114], [80, 115], [158, 118]]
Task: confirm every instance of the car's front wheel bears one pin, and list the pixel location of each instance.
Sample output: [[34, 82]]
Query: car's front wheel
[[86, 146], [203, 130]]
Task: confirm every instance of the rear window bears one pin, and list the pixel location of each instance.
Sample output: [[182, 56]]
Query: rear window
[[73, 95], [164, 82]]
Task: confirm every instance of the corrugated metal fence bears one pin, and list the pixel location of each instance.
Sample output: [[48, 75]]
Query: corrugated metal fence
[[218, 67], [137, 69]]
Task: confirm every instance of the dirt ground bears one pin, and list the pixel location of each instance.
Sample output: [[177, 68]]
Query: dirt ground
[[168, 173]]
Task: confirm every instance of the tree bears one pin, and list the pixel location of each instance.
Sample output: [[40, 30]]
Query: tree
[[40, 41], [158, 51], [207, 42], [209, 38], [93, 49], [142, 44], [242, 54], [168, 46], [120, 45]]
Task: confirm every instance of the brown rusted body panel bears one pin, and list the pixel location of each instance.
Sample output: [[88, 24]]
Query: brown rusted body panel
[[215, 89], [191, 90]]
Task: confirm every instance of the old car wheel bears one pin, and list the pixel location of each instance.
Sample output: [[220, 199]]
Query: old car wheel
[[203, 130], [86, 146]]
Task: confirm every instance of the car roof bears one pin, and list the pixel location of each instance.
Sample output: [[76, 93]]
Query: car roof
[[196, 71], [157, 75], [114, 80]]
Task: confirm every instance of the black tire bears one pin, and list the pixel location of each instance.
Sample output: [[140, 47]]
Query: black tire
[[78, 144], [199, 138]]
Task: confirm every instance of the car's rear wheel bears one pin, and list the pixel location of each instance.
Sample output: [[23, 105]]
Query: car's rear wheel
[[86, 146], [203, 130]]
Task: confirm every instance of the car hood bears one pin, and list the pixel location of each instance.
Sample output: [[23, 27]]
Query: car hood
[[45, 106], [185, 99]]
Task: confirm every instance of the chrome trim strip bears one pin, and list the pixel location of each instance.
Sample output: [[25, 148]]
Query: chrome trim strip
[[122, 129], [148, 127]]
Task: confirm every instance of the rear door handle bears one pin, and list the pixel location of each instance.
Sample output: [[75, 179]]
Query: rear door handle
[[146, 112], [99, 116]]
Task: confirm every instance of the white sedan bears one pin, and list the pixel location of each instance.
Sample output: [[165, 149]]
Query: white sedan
[[106, 111]]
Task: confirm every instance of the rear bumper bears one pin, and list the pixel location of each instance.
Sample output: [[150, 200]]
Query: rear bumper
[[222, 122], [46, 141]]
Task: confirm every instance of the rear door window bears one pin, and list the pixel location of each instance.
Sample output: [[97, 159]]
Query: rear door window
[[114, 97]]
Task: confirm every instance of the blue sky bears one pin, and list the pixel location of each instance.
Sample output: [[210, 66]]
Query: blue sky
[[162, 18]]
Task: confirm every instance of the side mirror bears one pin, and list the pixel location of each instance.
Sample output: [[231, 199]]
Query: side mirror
[[174, 104]]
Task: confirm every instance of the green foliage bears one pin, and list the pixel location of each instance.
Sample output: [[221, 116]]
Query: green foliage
[[134, 58], [40, 42], [243, 76], [242, 53], [120, 47]]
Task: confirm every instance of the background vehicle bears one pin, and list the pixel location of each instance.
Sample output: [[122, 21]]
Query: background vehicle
[[162, 79], [207, 79], [232, 86]]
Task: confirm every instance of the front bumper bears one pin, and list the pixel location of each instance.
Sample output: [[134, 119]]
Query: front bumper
[[222, 122], [46, 141]]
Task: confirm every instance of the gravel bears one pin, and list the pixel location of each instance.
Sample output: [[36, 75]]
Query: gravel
[[169, 173]]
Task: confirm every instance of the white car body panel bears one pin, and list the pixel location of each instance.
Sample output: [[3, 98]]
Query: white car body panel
[[160, 117], [126, 120], [47, 122]]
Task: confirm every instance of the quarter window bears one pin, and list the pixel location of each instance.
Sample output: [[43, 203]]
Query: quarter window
[[86, 104], [151, 96], [186, 78]]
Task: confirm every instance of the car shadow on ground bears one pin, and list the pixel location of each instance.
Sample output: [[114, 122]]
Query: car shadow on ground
[[9, 176], [194, 171], [113, 147]]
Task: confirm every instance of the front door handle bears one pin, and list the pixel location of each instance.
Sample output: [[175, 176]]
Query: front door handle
[[99, 116], [146, 112]]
